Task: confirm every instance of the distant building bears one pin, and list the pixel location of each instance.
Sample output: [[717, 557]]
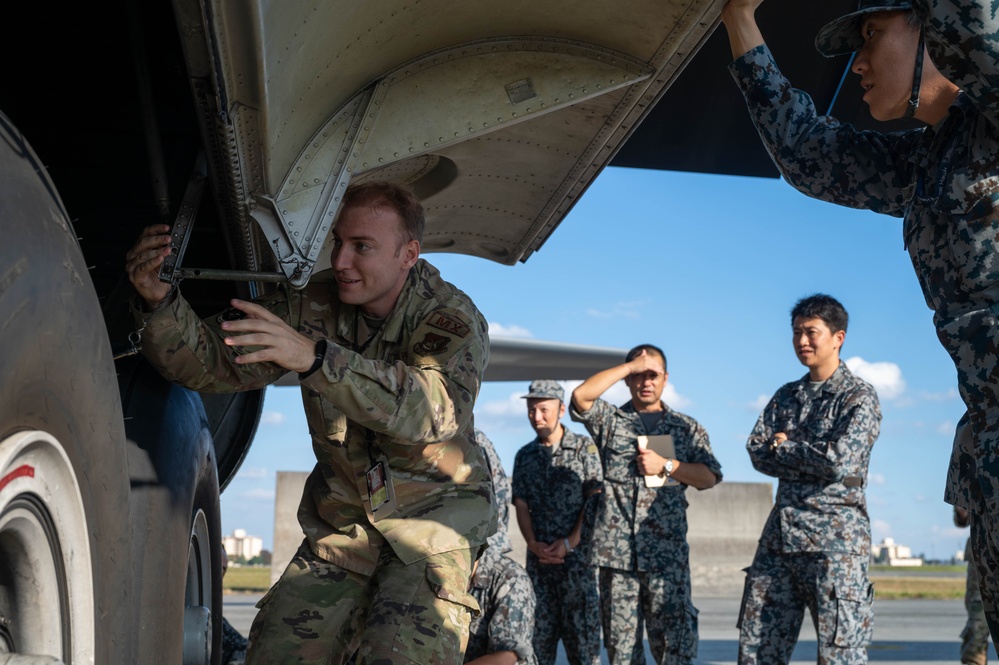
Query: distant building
[[890, 554], [240, 545]]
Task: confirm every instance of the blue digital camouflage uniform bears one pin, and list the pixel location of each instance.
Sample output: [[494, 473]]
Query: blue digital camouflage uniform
[[501, 490], [944, 181], [640, 537], [816, 544], [233, 645], [405, 396], [558, 486], [500, 585], [506, 621], [975, 635]]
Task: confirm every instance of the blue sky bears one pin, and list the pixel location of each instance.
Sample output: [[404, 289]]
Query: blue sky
[[707, 267]]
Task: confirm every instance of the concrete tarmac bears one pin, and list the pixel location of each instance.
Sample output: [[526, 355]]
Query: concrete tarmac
[[922, 632]]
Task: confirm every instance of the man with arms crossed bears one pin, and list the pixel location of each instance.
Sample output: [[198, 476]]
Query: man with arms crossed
[[390, 358], [815, 436], [640, 535], [556, 480], [936, 61]]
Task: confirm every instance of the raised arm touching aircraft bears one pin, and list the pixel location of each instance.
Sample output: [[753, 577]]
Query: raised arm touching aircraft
[[240, 123]]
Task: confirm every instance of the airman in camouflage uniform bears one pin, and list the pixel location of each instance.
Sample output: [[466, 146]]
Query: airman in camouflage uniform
[[640, 534], [556, 480], [943, 180], [815, 436], [975, 636], [390, 360], [500, 585]]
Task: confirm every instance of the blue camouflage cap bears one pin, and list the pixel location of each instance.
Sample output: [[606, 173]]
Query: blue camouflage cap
[[843, 35], [545, 389]]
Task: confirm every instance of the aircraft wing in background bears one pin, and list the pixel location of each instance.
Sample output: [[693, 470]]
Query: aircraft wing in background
[[517, 359]]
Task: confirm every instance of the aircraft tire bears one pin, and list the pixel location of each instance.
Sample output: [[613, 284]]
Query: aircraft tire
[[65, 556], [204, 576]]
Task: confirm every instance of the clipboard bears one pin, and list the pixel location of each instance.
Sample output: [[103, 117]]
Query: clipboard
[[662, 445]]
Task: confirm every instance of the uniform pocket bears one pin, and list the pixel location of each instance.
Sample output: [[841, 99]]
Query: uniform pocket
[[745, 598], [688, 643], [854, 615], [451, 584], [438, 620]]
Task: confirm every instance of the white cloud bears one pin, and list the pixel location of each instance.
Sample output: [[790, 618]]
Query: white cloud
[[253, 472], [949, 531], [877, 479], [758, 404], [513, 405], [500, 330], [272, 418], [259, 494], [946, 428], [880, 530], [944, 396], [675, 399], [884, 376]]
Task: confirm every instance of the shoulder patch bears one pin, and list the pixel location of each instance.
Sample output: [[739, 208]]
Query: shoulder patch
[[448, 324], [592, 448], [432, 344]]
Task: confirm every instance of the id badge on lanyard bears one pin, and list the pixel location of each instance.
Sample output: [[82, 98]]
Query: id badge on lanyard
[[381, 493]]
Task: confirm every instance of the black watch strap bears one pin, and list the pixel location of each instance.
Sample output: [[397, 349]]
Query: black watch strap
[[320, 355]]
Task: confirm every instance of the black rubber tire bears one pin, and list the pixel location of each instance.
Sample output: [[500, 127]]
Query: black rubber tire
[[57, 376], [173, 475]]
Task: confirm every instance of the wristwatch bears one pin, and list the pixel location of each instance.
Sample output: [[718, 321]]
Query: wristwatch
[[667, 469]]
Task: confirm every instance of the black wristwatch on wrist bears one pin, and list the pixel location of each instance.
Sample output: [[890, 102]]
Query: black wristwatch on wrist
[[320, 355]]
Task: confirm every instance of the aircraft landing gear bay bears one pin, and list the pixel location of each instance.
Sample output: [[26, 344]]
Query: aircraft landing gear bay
[[65, 573]]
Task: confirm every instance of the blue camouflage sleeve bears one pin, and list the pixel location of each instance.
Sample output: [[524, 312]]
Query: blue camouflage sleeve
[[518, 487], [962, 37], [758, 445], [700, 451], [512, 625], [593, 470], [818, 155], [842, 452], [596, 420]]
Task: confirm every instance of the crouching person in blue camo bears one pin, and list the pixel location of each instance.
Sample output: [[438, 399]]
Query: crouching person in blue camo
[[501, 634], [640, 534], [556, 480], [815, 436], [390, 359]]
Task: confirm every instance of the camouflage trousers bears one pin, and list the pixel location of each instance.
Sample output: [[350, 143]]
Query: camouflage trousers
[[833, 586], [656, 601], [972, 340], [975, 636], [319, 613], [568, 608], [986, 559]]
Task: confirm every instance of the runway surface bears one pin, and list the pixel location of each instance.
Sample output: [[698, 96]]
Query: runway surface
[[923, 632]]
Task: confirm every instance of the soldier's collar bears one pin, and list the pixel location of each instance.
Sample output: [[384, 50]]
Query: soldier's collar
[[393, 326], [830, 384], [630, 407]]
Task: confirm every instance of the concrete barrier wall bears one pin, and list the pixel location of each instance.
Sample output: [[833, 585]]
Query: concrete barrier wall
[[724, 525]]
